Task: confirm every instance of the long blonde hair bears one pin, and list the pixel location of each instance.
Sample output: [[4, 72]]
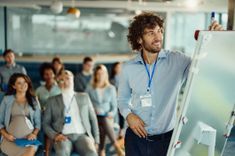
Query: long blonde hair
[[94, 81]]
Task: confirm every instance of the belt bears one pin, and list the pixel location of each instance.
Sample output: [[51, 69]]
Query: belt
[[159, 136]]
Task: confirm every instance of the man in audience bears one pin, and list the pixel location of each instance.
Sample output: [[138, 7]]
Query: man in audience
[[43, 92], [83, 78], [70, 120], [9, 68], [50, 88]]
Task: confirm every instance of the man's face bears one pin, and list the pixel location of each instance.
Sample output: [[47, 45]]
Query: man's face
[[88, 66], [48, 76], [152, 39], [10, 58], [65, 81]]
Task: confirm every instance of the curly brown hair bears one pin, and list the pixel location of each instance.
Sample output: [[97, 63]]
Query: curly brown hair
[[140, 22]]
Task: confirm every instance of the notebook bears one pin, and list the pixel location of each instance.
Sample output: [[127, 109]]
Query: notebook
[[26, 142]]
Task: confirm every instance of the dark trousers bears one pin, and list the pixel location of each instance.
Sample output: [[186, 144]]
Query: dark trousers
[[155, 145]]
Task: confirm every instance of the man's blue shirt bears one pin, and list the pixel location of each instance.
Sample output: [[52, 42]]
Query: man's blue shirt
[[171, 71]]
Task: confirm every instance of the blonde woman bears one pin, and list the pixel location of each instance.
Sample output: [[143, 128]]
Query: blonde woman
[[103, 97]]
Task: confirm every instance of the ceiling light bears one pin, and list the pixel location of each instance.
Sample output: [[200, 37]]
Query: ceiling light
[[56, 7], [73, 12], [191, 3]]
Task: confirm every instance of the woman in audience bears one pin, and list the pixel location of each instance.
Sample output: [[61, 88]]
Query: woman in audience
[[57, 65], [103, 98], [115, 73], [19, 116]]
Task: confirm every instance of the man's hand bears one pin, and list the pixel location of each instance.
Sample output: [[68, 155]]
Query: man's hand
[[136, 124], [60, 137], [31, 137], [9, 137], [215, 26]]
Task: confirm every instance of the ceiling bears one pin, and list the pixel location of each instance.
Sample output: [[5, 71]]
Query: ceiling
[[156, 5]]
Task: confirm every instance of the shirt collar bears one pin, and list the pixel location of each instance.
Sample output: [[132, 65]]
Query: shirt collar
[[161, 55], [11, 66], [68, 94]]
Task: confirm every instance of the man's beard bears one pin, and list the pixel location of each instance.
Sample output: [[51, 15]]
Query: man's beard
[[151, 50]]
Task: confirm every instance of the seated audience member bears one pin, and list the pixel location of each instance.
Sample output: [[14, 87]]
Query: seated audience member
[[57, 65], [115, 74], [104, 99], [70, 120], [50, 88], [19, 116], [9, 68], [82, 79]]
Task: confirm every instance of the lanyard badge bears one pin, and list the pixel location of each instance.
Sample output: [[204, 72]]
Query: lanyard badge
[[68, 118], [146, 100]]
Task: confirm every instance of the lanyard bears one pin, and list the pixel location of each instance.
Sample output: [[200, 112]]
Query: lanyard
[[67, 109], [148, 72]]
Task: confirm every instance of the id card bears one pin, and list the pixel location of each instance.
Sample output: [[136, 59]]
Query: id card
[[146, 100], [67, 119], [28, 123]]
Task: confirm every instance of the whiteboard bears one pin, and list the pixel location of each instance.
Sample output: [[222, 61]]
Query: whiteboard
[[208, 98]]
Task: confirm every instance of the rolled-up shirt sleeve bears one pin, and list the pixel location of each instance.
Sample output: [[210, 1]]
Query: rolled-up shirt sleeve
[[124, 92]]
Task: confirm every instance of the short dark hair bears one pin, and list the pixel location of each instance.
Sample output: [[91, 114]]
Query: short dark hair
[[139, 23], [87, 59], [7, 51], [46, 66]]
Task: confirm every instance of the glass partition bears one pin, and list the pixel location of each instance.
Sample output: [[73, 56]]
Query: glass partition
[[97, 31], [208, 98]]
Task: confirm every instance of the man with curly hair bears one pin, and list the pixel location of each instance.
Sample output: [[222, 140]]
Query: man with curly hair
[[148, 87]]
